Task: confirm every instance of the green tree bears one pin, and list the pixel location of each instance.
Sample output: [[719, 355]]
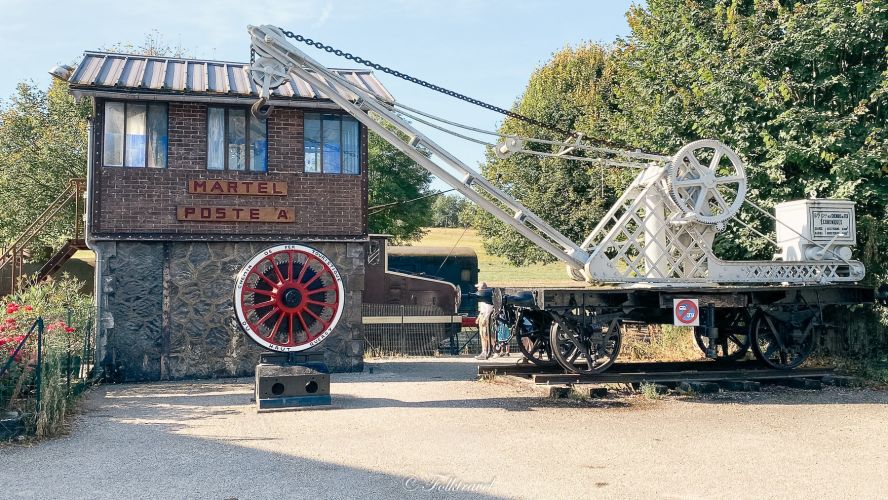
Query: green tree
[[397, 186], [447, 211], [798, 88], [42, 146], [574, 91]]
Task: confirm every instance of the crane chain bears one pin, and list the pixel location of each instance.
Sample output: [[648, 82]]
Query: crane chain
[[432, 86]]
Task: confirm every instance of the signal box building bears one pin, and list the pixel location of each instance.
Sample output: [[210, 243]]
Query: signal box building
[[185, 186]]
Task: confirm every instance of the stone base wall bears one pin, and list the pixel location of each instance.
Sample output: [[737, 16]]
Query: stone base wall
[[168, 311]]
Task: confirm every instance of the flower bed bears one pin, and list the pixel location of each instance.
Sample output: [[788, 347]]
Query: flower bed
[[37, 385]]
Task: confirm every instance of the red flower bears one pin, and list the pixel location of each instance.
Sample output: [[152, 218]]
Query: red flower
[[11, 308], [70, 329], [28, 308], [10, 322]]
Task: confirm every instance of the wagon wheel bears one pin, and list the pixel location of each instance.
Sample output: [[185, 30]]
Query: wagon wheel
[[586, 351], [288, 297], [784, 338], [733, 336], [534, 345]]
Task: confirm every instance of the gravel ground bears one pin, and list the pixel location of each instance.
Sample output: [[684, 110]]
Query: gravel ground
[[426, 429]]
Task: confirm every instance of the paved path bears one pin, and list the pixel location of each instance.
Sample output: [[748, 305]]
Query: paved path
[[425, 429]]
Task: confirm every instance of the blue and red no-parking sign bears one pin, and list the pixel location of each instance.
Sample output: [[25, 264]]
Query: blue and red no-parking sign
[[685, 312]]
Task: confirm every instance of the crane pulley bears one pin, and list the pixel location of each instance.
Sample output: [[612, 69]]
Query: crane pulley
[[660, 230]]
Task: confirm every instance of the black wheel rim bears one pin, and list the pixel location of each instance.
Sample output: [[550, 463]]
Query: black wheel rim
[[782, 344], [733, 340], [535, 348], [586, 354]]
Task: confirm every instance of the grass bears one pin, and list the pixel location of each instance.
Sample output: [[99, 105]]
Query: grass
[[665, 343], [651, 391], [495, 270]]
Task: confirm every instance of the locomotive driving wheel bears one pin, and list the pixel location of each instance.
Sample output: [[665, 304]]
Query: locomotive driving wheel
[[288, 297], [588, 349], [783, 337]]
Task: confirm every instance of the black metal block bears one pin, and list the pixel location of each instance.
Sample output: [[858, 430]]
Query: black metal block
[[741, 385], [698, 387], [841, 381], [804, 383], [280, 386]]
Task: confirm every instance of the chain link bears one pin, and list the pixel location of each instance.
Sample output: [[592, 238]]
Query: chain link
[[432, 86]]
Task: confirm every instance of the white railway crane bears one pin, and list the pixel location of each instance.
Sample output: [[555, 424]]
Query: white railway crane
[[657, 238]]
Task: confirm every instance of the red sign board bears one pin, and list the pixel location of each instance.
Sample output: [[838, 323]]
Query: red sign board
[[235, 214]]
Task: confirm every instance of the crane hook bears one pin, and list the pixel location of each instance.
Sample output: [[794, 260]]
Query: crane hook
[[260, 109]]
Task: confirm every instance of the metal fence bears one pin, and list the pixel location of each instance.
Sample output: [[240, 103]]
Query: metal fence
[[404, 330], [29, 389]]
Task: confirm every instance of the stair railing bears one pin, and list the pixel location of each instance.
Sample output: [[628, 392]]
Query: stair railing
[[12, 256]]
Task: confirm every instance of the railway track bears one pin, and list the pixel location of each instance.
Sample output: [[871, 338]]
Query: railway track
[[669, 373]]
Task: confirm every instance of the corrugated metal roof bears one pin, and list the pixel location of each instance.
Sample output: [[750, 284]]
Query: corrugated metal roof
[[138, 73]]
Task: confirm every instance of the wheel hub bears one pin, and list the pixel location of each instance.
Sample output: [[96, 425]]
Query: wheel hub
[[291, 298]]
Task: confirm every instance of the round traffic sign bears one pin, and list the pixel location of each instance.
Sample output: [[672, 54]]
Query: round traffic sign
[[686, 311]]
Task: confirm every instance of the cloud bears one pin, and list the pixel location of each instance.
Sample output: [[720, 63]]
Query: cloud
[[325, 14]]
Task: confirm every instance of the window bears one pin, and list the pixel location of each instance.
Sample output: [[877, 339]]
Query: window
[[331, 144], [236, 140], [135, 135]]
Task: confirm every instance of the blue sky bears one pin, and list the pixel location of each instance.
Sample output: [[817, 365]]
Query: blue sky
[[484, 49]]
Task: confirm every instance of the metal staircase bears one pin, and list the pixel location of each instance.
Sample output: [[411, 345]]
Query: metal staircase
[[12, 257]]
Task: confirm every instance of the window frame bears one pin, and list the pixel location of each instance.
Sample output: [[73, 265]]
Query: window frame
[[147, 105], [247, 149], [320, 153]]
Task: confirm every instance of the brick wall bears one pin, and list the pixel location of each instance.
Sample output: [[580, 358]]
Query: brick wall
[[141, 202]]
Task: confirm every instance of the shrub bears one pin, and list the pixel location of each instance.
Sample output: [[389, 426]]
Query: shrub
[[66, 317]]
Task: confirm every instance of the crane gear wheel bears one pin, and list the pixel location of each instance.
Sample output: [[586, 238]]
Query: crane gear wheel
[[707, 181], [288, 297]]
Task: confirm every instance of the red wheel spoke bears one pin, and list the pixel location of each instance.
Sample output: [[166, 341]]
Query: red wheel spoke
[[290, 266], [304, 326], [277, 325], [319, 290], [318, 318], [331, 305], [260, 305], [302, 271], [313, 279], [268, 315], [290, 334], [261, 275], [263, 292], [276, 270]]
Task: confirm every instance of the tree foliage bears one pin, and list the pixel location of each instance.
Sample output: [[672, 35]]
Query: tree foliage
[[574, 90], [42, 146], [797, 88], [395, 180], [450, 211]]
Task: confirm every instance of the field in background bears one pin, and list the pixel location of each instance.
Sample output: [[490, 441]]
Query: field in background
[[495, 270]]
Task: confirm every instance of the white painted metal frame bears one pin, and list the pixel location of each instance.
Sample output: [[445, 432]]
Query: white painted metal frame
[[660, 230]]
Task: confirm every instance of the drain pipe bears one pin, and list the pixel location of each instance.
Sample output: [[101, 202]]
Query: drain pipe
[[98, 366]]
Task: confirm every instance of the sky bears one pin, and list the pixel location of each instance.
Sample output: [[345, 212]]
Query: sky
[[483, 49]]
